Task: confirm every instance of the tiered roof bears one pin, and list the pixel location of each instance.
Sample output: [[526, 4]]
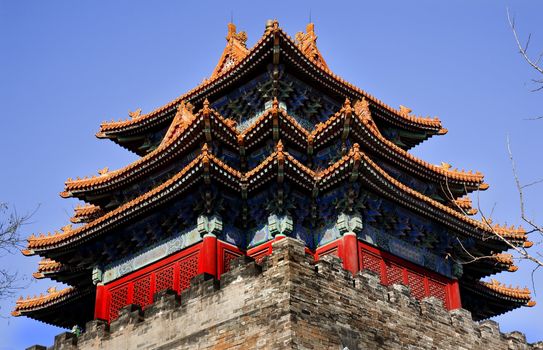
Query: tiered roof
[[275, 43], [180, 140], [358, 125]]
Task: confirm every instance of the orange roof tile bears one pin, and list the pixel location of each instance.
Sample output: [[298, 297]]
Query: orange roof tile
[[82, 213], [174, 133], [508, 233], [354, 154], [306, 48], [234, 52], [500, 288], [184, 119], [46, 265], [53, 296], [110, 126], [67, 232], [455, 174]]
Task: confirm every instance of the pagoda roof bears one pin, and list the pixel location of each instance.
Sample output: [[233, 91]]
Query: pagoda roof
[[187, 129], [310, 63], [79, 303], [209, 165]]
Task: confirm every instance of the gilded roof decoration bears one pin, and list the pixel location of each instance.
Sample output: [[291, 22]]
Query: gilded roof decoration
[[464, 205], [307, 42], [135, 114], [103, 171], [84, 213], [234, 52]]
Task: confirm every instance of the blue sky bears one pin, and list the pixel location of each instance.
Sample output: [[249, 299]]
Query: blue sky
[[65, 66]]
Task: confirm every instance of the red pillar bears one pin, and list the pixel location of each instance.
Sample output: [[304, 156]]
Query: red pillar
[[454, 295], [100, 306], [279, 237], [350, 252], [208, 255]]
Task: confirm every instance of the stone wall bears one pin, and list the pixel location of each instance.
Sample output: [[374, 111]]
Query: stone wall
[[290, 302]]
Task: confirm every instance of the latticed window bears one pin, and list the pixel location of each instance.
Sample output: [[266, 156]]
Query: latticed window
[[416, 283], [188, 268], [119, 299], [142, 291], [394, 274], [438, 290], [164, 278]]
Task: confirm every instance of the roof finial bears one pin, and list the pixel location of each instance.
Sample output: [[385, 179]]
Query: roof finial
[[310, 15], [231, 31]]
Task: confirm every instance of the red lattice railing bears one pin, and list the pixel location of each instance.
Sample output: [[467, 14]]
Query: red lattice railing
[[228, 257], [393, 270], [142, 291], [438, 290], [176, 272], [188, 269], [371, 262], [139, 287], [119, 298], [394, 274], [415, 281], [164, 278]]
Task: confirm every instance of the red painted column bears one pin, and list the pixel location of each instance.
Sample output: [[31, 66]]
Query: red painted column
[[100, 306], [279, 237], [454, 295], [208, 255], [350, 252]]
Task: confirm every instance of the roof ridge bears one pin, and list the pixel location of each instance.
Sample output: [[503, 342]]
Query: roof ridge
[[444, 171], [506, 233]]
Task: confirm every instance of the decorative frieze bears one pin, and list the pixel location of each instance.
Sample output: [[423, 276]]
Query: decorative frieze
[[154, 253]]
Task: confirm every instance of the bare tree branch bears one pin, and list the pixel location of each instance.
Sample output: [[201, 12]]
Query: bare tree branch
[[10, 241], [524, 50]]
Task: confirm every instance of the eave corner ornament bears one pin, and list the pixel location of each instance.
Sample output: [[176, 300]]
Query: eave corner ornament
[[307, 42]]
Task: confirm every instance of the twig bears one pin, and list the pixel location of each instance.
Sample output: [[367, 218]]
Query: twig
[[523, 50]]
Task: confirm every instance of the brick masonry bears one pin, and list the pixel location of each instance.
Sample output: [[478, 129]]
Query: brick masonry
[[290, 302]]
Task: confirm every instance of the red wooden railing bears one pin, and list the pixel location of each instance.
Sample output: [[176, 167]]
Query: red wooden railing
[[214, 257]]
